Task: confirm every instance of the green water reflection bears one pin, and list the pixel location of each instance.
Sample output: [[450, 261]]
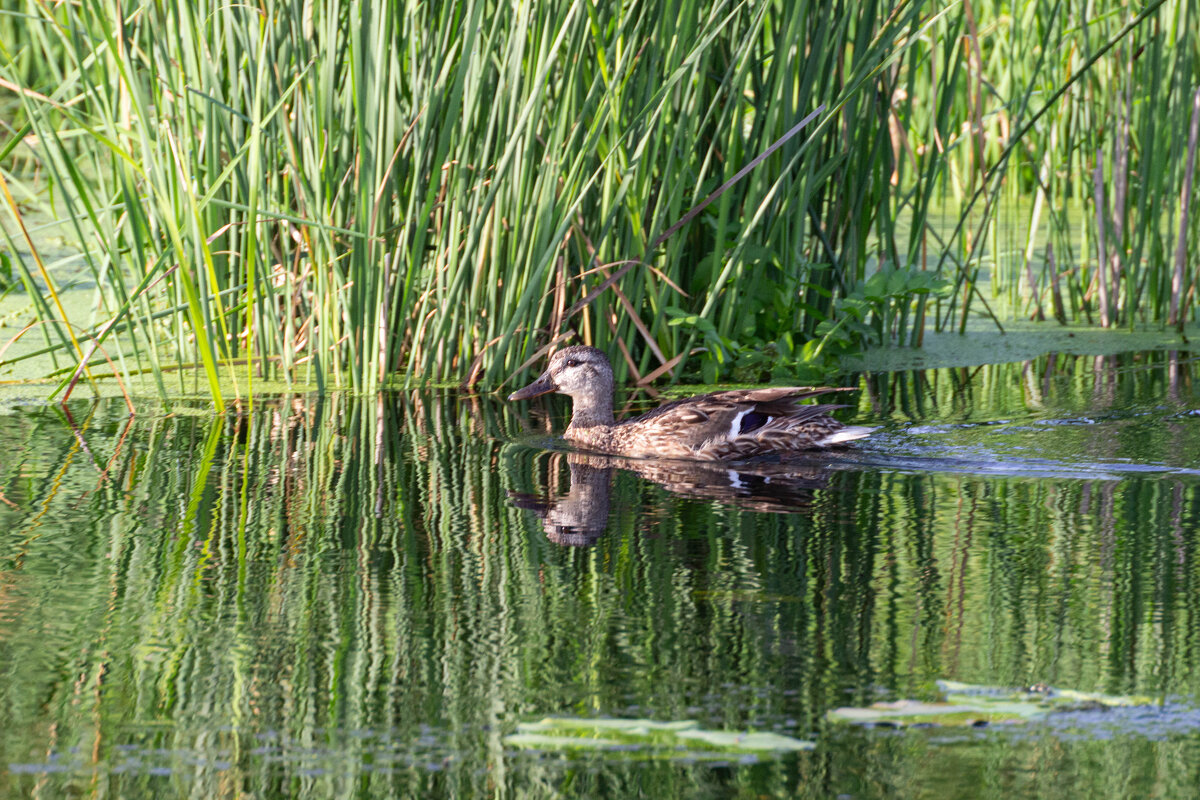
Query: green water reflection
[[363, 597]]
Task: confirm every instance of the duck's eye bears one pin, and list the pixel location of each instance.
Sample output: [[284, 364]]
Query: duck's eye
[[571, 362]]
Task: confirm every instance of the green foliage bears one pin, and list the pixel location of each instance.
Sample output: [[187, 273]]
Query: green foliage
[[876, 310], [350, 194]]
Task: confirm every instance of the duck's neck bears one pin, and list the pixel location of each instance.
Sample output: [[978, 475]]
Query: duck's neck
[[591, 410]]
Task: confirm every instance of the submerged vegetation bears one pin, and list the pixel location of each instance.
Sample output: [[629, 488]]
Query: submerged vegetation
[[350, 194]]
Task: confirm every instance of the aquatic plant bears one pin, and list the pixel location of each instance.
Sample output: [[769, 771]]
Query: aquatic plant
[[352, 194]]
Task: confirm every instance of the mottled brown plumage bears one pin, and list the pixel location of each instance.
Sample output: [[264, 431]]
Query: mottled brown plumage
[[722, 426]]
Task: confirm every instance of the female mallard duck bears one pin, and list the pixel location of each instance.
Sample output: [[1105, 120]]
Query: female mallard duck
[[722, 426]]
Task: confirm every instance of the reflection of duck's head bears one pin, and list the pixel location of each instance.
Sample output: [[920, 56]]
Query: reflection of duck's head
[[579, 517], [722, 426]]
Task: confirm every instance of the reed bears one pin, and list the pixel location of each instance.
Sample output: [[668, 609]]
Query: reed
[[358, 194]]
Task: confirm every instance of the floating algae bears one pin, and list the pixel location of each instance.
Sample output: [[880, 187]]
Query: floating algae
[[646, 738], [965, 704]]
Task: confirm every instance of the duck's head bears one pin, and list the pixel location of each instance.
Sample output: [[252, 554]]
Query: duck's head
[[577, 371]]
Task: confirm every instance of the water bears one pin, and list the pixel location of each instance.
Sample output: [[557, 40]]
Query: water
[[366, 596]]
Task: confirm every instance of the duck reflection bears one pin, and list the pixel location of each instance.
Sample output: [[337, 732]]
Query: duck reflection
[[580, 517]]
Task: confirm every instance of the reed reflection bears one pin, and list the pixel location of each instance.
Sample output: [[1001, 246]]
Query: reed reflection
[[366, 573], [1054, 383]]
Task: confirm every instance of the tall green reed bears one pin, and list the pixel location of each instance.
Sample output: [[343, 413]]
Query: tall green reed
[[350, 193]]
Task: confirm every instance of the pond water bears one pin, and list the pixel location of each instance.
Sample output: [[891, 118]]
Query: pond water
[[365, 597]]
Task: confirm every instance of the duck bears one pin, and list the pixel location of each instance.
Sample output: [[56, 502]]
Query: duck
[[732, 425]]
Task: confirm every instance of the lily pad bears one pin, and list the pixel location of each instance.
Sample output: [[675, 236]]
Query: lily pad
[[630, 727], [747, 741], [915, 712], [966, 704], [1050, 697], [541, 741], [674, 739]]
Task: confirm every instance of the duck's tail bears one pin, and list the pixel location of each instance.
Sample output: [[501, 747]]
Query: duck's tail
[[849, 433]]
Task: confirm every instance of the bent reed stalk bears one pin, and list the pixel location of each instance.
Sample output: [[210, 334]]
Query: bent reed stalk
[[355, 194]]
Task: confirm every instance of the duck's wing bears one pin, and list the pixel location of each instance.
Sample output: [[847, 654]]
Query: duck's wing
[[750, 410], [742, 423], [723, 406]]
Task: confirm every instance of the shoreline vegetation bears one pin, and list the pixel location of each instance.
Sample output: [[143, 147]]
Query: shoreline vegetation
[[359, 195]]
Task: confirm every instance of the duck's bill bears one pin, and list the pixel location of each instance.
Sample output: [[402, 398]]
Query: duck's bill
[[543, 385]]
